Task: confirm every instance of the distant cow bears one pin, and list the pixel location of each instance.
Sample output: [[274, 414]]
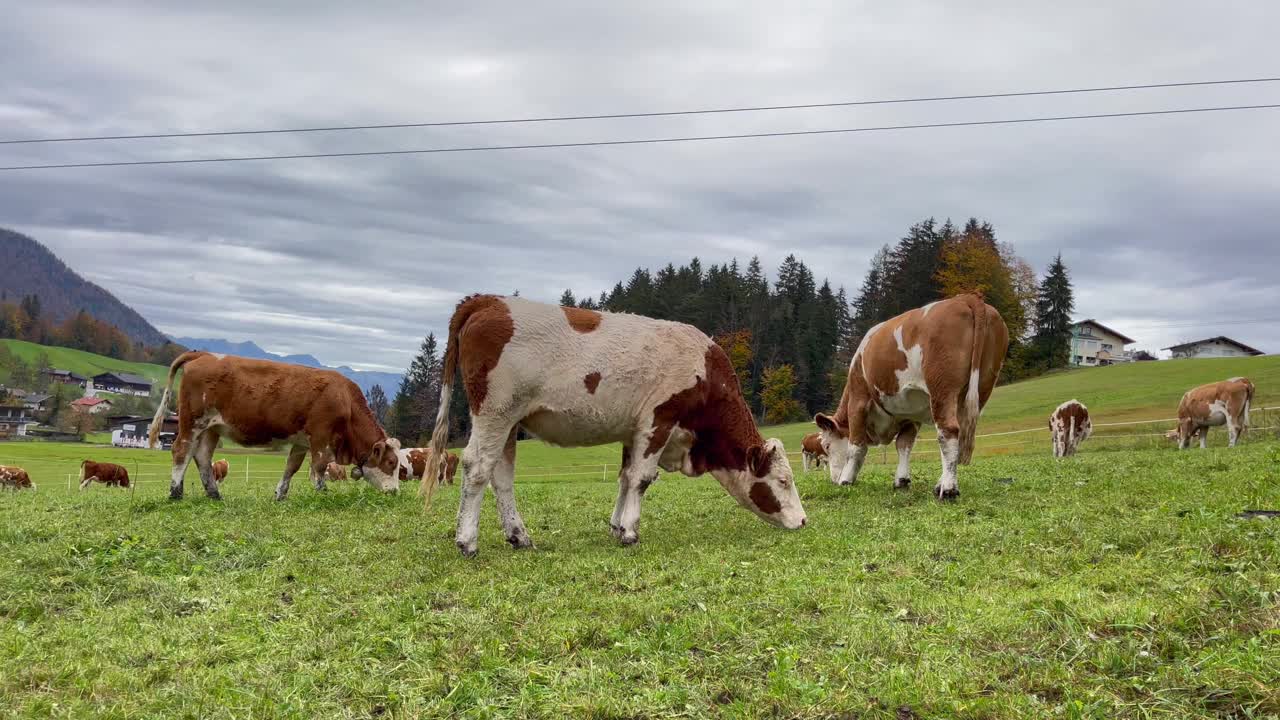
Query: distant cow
[[335, 472], [14, 478], [256, 402], [813, 455], [1221, 403], [220, 470], [938, 364], [575, 378], [414, 464], [1070, 426], [108, 474]]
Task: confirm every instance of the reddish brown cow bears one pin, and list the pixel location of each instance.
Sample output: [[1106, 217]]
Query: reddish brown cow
[[812, 453], [939, 364], [220, 470], [256, 402], [1069, 425], [108, 474], [414, 463], [335, 471], [14, 478], [1221, 403]]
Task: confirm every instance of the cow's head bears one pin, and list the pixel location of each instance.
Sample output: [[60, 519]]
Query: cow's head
[[379, 469], [835, 440], [766, 487]]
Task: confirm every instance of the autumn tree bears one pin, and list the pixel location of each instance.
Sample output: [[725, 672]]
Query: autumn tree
[[378, 404], [778, 395], [737, 345]]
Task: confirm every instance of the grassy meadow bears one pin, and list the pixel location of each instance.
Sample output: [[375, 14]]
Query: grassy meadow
[[1119, 583], [78, 361]]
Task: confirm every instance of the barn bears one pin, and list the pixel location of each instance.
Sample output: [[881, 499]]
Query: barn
[[121, 384]]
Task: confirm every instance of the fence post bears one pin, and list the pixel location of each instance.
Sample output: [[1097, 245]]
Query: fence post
[[604, 473]]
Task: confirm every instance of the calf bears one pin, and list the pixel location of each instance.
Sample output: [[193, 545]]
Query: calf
[[1070, 426], [108, 474], [335, 472], [414, 464], [575, 378], [1221, 403], [220, 470], [14, 478], [938, 363], [813, 455], [257, 402]]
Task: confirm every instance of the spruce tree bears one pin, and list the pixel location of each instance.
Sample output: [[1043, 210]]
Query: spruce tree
[[378, 404], [567, 299], [1054, 305]]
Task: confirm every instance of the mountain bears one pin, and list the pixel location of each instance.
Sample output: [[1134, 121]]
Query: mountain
[[366, 379], [29, 268]]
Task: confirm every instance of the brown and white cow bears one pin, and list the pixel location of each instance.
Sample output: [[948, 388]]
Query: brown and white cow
[[1069, 426], [336, 472], [220, 470], [256, 402], [14, 478], [108, 474], [939, 364], [1212, 405], [413, 463], [574, 378], [812, 454]]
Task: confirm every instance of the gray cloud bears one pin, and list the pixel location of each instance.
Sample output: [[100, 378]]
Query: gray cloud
[[1162, 220]]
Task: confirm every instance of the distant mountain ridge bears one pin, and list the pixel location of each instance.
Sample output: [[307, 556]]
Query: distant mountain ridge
[[29, 268], [366, 379]]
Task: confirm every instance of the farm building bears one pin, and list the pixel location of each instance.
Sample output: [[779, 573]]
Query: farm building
[[14, 421], [36, 402], [120, 383], [91, 405], [1220, 346], [1094, 344], [131, 431], [65, 377]]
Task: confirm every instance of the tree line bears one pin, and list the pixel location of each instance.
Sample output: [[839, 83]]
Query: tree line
[[790, 340], [24, 320]]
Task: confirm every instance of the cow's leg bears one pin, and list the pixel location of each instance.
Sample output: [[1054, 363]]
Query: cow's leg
[[1204, 437], [504, 477], [85, 482], [183, 446], [479, 462], [948, 424], [853, 465], [905, 441], [203, 455], [319, 467], [633, 481], [804, 459], [1233, 432], [615, 522], [297, 454]]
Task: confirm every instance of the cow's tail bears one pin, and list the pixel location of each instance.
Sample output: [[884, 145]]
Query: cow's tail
[[1248, 400], [440, 435], [971, 410], [157, 420]]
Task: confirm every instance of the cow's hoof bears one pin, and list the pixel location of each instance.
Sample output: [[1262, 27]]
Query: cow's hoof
[[468, 549], [629, 537], [902, 483], [172, 495], [947, 494], [280, 498], [845, 484], [615, 530], [520, 540], [216, 496]]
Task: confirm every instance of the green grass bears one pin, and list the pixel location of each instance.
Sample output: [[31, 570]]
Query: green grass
[[1119, 583], [83, 363]]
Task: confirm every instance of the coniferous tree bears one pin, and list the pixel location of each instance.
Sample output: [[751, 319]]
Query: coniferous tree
[[567, 299], [378, 404], [1054, 305]]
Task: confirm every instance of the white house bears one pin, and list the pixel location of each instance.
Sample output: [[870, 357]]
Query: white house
[[1220, 346], [14, 420], [1094, 344]]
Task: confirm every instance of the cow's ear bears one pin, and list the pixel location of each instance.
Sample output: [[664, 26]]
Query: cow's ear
[[825, 422], [375, 455], [760, 459]]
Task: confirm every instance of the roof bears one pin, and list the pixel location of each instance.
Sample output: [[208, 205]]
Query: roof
[[64, 373], [1091, 321], [1219, 338], [37, 397], [125, 378], [89, 401]]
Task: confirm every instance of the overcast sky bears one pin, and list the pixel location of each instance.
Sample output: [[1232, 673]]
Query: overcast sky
[[1162, 220]]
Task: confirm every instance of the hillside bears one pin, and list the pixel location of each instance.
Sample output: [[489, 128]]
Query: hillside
[[364, 378], [77, 361], [29, 268]]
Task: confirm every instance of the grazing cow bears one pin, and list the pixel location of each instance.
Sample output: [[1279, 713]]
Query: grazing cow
[[939, 364], [15, 478], [106, 473], [812, 453], [414, 464], [220, 470], [256, 402], [1221, 403], [1070, 426], [575, 378], [335, 471]]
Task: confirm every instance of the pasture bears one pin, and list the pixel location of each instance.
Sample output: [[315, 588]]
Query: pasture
[[1119, 583]]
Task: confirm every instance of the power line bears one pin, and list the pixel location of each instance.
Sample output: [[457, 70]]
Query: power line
[[618, 116], [642, 141]]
